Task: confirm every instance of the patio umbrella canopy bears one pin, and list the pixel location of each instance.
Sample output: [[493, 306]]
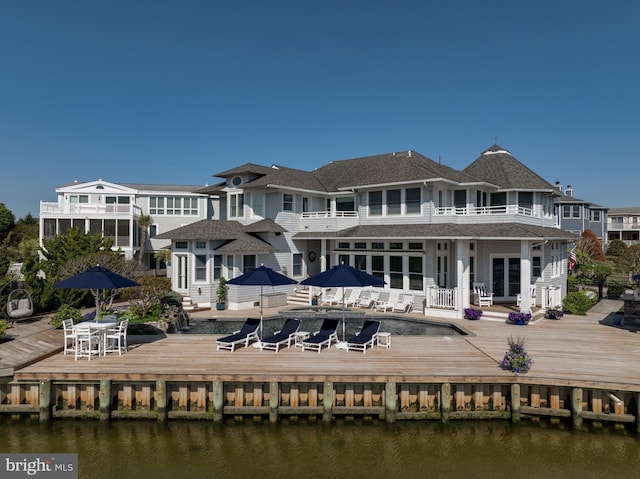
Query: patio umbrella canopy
[[343, 276], [96, 278], [262, 276]]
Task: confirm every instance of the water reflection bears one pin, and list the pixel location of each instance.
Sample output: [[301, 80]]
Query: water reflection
[[312, 449]]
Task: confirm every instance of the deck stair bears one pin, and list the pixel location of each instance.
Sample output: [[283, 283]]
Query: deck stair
[[501, 313], [189, 306], [300, 297]]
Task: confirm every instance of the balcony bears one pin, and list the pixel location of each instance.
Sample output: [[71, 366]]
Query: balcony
[[493, 214], [96, 210], [328, 220]]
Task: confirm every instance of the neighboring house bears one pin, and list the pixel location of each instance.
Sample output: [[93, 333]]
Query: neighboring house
[[576, 215], [423, 227], [624, 224], [113, 210]]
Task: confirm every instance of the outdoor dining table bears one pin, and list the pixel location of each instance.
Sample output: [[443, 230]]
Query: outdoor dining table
[[102, 326]]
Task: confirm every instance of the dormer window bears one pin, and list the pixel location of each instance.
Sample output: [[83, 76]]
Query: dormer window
[[236, 181]]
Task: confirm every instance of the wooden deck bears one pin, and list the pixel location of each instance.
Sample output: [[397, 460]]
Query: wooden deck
[[581, 351]]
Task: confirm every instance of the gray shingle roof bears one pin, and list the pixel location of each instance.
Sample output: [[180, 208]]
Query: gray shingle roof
[[478, 231], [628, 210], [496, 165]]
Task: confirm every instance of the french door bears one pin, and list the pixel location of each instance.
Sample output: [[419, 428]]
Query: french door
[[505, 277], [181, 274]]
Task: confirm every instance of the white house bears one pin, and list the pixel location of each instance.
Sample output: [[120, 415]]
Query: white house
[[421, 226], [113, 209]]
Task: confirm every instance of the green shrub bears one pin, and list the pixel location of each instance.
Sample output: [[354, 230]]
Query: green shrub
[[3, 328], [172, 299], [572, 284], [65, 312], [615, 290], [577, 303]]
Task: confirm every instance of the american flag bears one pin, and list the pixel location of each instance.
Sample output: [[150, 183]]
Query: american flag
[[572, 260]]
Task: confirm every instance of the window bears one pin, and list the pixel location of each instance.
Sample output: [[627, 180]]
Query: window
[[201, 267], [377, 267], [571, 211], [412, 201], [416, 246], [230, 271], [499, 202], [359, 245], [360, 262], [525, 200], [343, 259], [375, 203], [536, 267], [248, 263], [415, 273], [236, 205], [156, 205], [182, 245], [161, 205], [345, 204], [287, 202], [395, 245], [460, 199], [174, 206], [217, 266], [73, 199], [201, 244], [305, 204], [257, 204], [376, 245], [395, 272], [393, 202], [297, 264], [595, 215], [190, 206], [342, 245]]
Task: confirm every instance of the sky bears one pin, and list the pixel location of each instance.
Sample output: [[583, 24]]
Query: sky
[[173, 92]]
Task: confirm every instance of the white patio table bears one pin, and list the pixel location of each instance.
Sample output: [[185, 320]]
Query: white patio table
[[102, 326]]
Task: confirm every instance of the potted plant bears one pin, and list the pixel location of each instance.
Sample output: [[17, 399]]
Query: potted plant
[[516, 358], [314, 299], [471, 313], [521, 319], [221, 293], [554, 313]]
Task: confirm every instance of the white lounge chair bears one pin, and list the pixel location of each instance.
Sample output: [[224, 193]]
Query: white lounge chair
[[404, 306], [480, 295], [354, 298], [370, 300], [244, 336], [382, 305], [335, 298]]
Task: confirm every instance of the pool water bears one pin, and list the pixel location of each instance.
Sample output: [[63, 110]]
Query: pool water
[[391, 324]]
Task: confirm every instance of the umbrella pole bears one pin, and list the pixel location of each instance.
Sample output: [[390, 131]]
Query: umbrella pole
[[261, 311], [97, 305], [343, 319]]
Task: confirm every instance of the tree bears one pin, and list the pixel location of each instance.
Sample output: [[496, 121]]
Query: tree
[[7, 222], [144, 222], [629, 261], [616, 248], [590, 245]]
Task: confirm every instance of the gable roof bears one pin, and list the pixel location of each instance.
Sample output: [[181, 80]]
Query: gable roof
[[496, 165], [236, 236]]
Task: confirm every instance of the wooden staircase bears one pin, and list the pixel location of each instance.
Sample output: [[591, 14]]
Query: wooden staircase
[[299, 298]]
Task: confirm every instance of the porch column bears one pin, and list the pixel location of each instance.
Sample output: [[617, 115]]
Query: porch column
[[463, 275], [525, 276], [323, 255]]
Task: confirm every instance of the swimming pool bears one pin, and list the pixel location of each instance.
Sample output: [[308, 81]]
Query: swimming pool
[[396, 325]]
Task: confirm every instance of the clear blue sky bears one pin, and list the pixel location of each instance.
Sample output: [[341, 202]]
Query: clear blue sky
[[175, 91]]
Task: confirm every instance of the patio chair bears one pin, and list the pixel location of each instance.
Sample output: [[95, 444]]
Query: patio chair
[[88, 341], [279, 338], [116, 338], [382, 305], [369, 301], [324, 337], [354, 298], [69, 336], [335, 298], [480, 295], [404, 306], [248, 333], [367, 336]]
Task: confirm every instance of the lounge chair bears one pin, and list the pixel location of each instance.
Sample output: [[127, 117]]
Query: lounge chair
[[367, 336], [480, 295], [354, 298], [335, 298], [382, 305], [248, 333], [404, 306], [370, 300], [279, 338], [324, 337]]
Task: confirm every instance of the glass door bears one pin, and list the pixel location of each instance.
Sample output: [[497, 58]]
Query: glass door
[[505, 277], [182, 284]]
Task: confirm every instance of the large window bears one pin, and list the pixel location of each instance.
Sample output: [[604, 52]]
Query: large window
[[257, 204], [375, 203], [460, 199], [217, 266], [377, 267], [571, 211], [165, 205], [297, 264], [287, 202], [360, 262], [393, 202], [236, 205], [395, 272], [346, 203], [525, 200], [201, 267], [415, 273], [412, 201], [248, 263]]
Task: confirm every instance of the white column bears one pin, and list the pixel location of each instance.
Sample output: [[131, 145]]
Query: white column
[[525, 276], [323, 255], [463, 275]]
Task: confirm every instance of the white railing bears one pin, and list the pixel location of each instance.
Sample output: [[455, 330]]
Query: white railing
[[88, 209], [442, 298], [329, 214], [623, 226], [485, 210]]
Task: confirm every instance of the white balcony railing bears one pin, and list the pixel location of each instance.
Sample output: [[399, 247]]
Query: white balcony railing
[[88, 209], [442, 298], [329, 214], [485, 210]]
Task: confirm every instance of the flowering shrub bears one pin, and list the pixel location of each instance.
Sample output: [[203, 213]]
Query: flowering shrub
[[519, 318], [516, 358], [554, 313], [471, 313]]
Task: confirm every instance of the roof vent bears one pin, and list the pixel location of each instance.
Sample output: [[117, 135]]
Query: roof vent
[[558, 186]]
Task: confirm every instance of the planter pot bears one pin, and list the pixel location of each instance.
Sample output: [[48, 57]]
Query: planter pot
[[221, 306], [314, 302]]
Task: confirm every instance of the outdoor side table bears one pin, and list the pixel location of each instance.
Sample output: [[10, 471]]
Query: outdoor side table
[[384, 340], [300, 336]]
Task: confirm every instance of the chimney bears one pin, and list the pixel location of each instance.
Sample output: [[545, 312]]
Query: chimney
[[569, 191], [558, 186]]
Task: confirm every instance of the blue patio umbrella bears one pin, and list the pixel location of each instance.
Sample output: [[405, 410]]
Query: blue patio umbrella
[[343, 276], [262, 276], [96, 278], [636, 277]]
